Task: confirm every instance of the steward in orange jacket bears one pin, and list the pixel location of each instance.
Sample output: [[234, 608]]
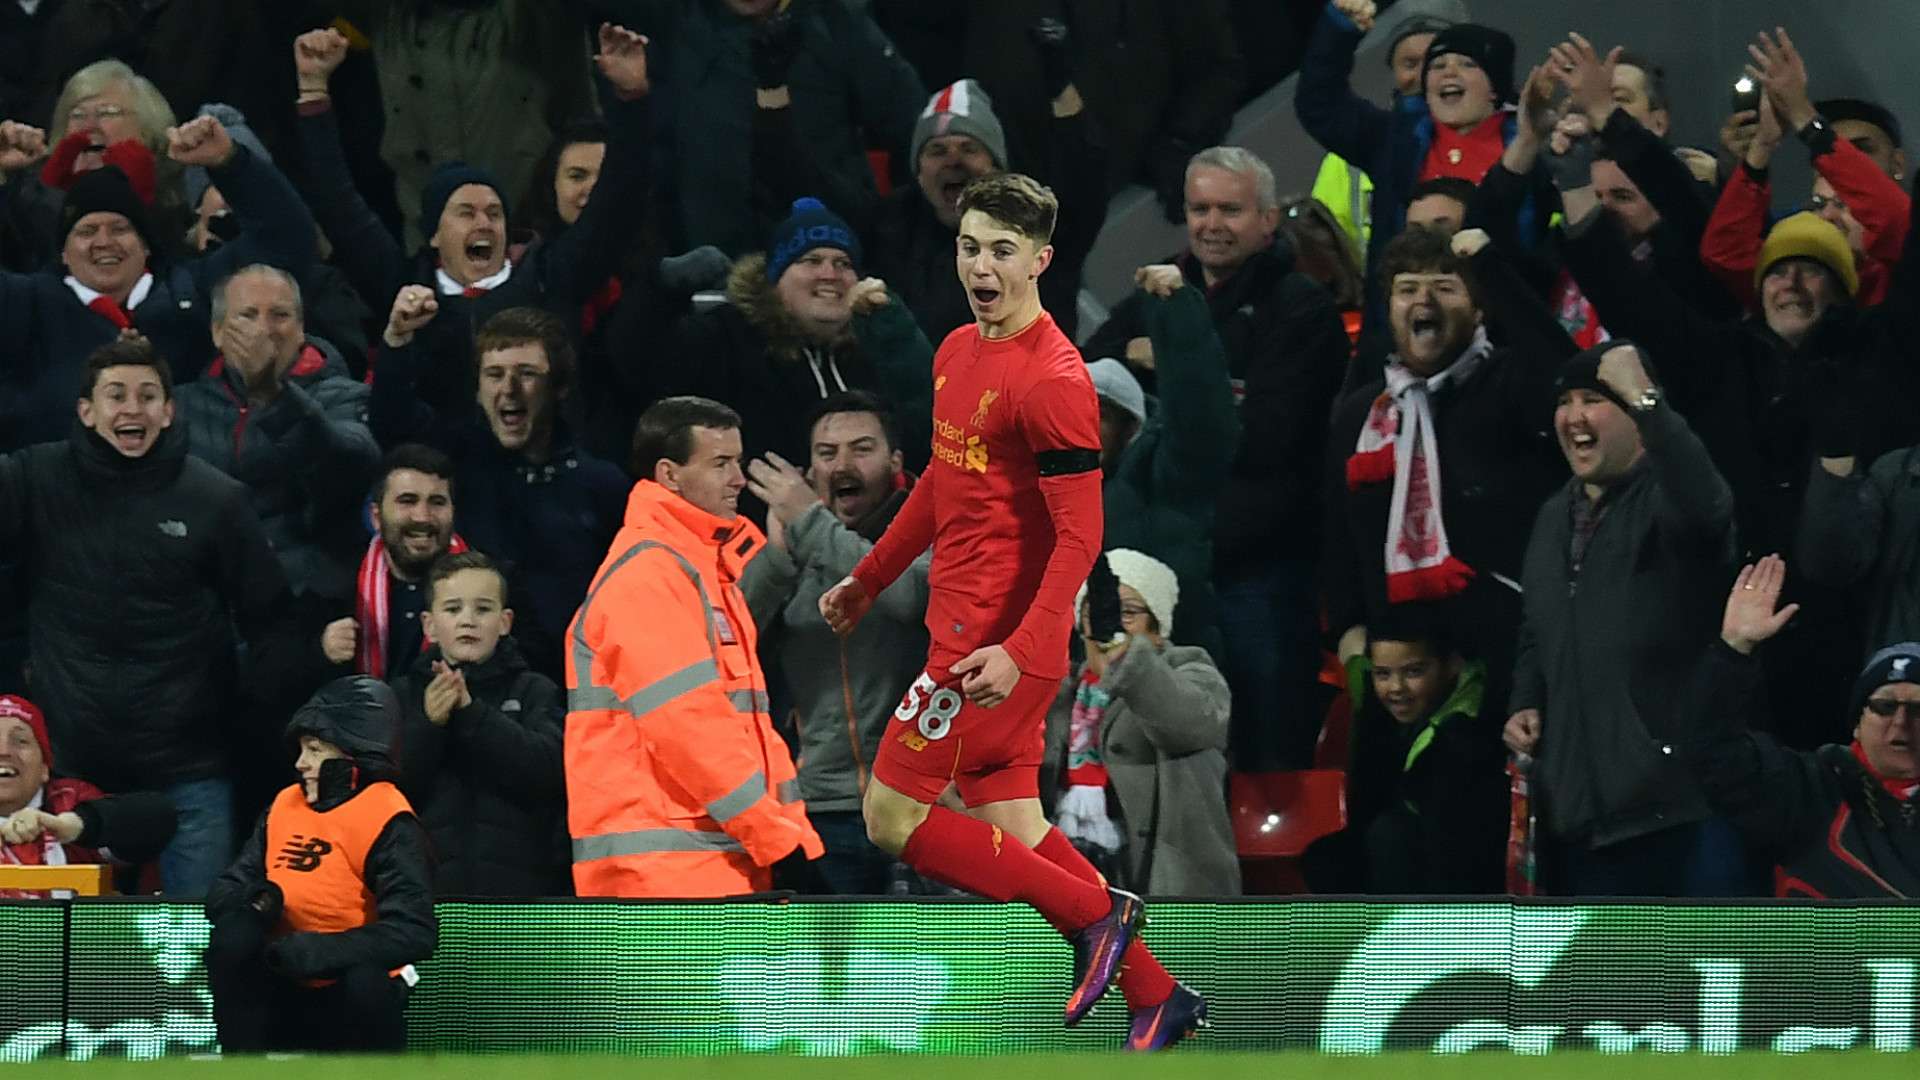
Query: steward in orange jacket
[[316, 925], [677, 784]]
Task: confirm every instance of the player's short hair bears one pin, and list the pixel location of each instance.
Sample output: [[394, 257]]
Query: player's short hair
[[446, 566], [1243, 162], [1017, 201], [855, 401], [665, 430], [128, 352], [1424, 251]]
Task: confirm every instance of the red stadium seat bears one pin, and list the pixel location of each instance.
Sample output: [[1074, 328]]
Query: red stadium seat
[[1275, 816]]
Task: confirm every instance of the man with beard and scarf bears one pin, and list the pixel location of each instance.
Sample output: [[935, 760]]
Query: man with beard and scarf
[[530, 497], [413, 525], [142, 564], [803, 326], [1436, 468], [467, 263], [819, 525]]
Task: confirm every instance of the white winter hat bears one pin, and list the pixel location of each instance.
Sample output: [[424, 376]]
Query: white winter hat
[[1154, 580]]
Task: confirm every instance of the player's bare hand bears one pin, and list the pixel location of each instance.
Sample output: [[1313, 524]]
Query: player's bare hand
[[868, 296], [1522, 733], [844, 605], [988, 675], [1159, 279], [339, 640], [1361, 12]]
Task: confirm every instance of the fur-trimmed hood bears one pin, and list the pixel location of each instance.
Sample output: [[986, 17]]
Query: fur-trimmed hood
[[749, 290]]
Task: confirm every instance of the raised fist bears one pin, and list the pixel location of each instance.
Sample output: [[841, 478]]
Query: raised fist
[[20, 145], [868, 296], [1360, 11], [414, 306], [316, 54], [200, 141], [1160, 279]]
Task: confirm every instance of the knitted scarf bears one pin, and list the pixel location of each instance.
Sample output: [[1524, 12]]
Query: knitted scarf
[[1085, 766], [1397, 443], [370, 606]]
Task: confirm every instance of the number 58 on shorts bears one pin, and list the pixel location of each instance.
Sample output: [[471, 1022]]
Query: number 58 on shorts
[[930, 707]]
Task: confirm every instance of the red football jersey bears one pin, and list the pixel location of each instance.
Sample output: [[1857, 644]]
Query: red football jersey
[[1010, 502]]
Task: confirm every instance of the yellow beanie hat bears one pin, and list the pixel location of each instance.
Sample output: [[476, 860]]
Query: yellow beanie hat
[[1807, 235]]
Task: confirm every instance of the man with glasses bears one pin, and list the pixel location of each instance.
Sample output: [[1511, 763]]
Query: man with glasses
[[1857, 157], [1836, 822]]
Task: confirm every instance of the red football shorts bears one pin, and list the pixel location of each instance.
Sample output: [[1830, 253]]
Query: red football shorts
[[937, 737]]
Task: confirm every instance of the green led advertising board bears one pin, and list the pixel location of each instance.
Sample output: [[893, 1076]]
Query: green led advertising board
[[123, 978]]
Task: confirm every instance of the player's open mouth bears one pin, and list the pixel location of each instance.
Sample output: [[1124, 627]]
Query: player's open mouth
[[8, 772], [983, 297]]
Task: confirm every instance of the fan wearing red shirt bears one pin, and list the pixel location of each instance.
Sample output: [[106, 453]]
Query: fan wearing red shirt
[[1010, 505]]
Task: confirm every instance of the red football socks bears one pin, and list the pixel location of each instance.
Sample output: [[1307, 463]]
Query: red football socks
[[1142, 980], [970, 854]]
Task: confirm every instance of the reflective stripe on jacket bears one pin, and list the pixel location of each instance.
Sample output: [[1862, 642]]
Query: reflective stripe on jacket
[[677, 784]]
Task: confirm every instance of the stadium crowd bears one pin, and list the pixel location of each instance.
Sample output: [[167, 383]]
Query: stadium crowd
[[341, 343]]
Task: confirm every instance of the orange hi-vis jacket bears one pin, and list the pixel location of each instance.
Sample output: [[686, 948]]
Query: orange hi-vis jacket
[[319, 858], [677, 784]]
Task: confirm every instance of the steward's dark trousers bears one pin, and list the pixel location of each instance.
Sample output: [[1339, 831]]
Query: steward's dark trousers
[[256, 1010]]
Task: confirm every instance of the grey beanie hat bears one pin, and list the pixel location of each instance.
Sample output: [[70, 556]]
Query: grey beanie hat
[[960, 109], [1113, 382]]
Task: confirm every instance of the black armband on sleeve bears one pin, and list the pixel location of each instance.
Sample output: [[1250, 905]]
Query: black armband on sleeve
[[1067, 462]]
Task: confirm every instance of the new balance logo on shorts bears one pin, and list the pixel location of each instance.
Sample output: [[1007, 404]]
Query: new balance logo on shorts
[[303, 853]]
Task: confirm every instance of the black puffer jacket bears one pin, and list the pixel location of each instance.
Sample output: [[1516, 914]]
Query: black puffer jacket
[[1826, 822], [307, 460], [137, 573], [489, 784]]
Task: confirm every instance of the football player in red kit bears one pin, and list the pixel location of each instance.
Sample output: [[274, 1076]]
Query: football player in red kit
[[1010, 505]]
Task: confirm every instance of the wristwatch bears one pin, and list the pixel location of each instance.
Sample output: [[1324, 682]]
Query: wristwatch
[[1645, 403], [1817, 134]]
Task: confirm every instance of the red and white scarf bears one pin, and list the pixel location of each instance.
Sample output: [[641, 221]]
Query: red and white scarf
[[370, 606], [1397, 443]]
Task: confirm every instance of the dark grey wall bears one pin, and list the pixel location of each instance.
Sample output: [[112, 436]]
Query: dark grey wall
[[1853, 48]]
